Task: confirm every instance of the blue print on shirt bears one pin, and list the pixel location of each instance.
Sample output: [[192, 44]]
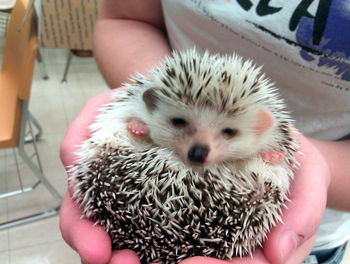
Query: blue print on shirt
[[335, 42]]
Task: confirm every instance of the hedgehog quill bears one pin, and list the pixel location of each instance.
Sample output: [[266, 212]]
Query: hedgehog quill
[[183, 162]]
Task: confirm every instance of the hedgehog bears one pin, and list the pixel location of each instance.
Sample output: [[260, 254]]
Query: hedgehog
[[199, 176]]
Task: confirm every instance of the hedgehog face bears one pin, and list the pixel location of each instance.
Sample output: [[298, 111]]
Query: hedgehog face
[[202, 136]]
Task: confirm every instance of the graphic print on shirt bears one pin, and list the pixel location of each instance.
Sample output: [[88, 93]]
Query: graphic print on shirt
[[323, 37], [318, 29], [335, 40]]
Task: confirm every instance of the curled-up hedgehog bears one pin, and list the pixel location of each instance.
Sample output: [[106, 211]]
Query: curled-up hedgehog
[[195, 158]]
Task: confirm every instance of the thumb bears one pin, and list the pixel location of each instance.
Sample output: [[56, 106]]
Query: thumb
[[308, 197], [79, 129], [91, 242]]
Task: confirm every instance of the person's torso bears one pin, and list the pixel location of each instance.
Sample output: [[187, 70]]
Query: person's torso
[[303, 45]]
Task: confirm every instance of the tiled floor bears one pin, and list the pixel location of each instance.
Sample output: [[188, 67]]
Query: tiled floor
[[54, 104]]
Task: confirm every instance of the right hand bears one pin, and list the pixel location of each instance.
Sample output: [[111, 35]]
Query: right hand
[[90, 241], [291, 242]]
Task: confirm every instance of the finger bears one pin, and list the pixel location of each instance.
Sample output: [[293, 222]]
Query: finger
[[125, 256], [90, 241], [308, 200], [203, 260], [301, 252], [257, 258], [79, 129]]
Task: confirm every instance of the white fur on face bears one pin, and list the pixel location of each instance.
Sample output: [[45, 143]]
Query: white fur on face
[[205, 127]]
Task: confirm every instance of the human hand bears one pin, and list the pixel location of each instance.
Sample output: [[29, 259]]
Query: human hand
[[292, 241], [288, 243], [90, 241]]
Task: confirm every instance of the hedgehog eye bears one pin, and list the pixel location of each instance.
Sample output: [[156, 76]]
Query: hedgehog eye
[[178, 122], [229, 132]]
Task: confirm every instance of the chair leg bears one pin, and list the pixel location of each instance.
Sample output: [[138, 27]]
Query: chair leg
[[69, 60], [37, 125], [36, 169], [40, 59], [19, 191], [22, 188], [29, 219], [37, 136], [40, 175], [42, 179], [18, 171], [24, 19]]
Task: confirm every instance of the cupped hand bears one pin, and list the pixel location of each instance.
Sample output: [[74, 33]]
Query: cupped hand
[[90, 241], [287, 243], [291, 242]]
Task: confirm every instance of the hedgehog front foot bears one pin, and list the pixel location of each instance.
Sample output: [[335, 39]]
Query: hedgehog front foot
[[273, 156], [137, 128]]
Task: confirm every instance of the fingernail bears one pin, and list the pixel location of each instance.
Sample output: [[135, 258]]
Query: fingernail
[[288, 243]]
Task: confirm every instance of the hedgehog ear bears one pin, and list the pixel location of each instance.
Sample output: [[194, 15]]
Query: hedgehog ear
[[264, 122], [150, 98]]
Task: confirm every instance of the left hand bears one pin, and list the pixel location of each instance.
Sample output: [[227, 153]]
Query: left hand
[[90, 241], [292, 241]]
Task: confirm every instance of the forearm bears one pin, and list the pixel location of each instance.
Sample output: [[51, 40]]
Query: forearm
[[337, 155], [124, 46]]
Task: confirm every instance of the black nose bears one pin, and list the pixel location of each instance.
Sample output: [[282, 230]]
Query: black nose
[[197, 153]]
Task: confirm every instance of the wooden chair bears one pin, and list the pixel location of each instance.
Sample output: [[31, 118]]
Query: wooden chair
[[6, 7], [20, 50]]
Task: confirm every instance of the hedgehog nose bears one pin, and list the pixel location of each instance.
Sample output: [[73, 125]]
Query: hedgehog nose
[[198, 153]]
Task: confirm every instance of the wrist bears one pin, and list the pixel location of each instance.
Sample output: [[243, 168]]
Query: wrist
[[311, 155], [336, 155]]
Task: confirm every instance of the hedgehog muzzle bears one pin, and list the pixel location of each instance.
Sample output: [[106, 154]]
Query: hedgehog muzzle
[[198, 153]]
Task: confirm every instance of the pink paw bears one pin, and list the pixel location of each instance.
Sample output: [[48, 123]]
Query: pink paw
[[273, 156], [137, 128]]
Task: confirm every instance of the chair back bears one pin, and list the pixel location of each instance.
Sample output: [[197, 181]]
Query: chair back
[[19, 54], [20, 48]]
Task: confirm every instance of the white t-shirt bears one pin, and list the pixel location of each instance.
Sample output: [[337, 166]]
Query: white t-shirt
[[305, 50]]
